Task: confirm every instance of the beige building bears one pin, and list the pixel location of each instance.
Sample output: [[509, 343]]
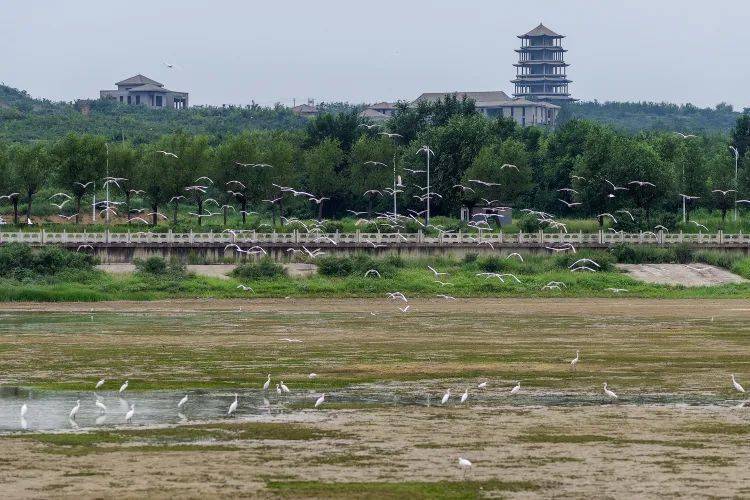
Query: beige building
[[141, 90], [494, 104], [379, 112]]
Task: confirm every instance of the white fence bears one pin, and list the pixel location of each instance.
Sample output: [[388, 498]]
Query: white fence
[[375, 239]]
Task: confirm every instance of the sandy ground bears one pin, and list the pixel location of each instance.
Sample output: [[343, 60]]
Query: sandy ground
[[681, 274], [603, 450], [213, 270]]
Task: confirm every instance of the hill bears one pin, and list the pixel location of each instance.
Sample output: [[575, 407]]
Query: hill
[[633, 117]]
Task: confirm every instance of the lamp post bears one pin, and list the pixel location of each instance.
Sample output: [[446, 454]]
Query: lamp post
[[427, 151], [736, 184], [106, 146]]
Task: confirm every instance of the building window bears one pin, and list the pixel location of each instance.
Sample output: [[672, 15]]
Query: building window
[[120, 98], [158, 101], [523, 111], [137, 99], [512, 113], [129, 100]]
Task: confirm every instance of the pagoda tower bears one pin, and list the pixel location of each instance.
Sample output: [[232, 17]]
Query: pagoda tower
[[540, 72]]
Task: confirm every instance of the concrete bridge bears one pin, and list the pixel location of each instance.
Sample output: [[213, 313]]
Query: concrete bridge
[[120, 247]]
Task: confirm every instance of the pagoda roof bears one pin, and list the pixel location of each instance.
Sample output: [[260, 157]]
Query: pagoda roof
[[541, 30], [139, 80]]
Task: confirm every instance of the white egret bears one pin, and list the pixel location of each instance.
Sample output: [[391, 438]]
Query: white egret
[[737, 385], [278, 390], [312, 376], [284, 387], [130, 413], [75, 409], [465, 395], [609, 392], [320, 400], [100, 405], [24, 410], [482, 385], [233, 406], [182, 401], [123, 387], [574, 362], [268, 383], [99, 384], [446, 396], [516, 389]]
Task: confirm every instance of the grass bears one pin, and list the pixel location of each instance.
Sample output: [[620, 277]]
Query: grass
[[548, 438], [406, 489]]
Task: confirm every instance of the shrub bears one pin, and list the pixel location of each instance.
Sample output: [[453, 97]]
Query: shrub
[[642, 254], [528, 224], [718, 258], [153, 265], [683, 253], [264, 268], [492, 264], [605, 260], [20, 261], [470, 258], [358, 265]]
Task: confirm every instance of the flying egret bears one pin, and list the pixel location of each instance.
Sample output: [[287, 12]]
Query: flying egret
[[75, 409], [446, 396], [99, 384], [516, 388], [182, 401], [130, 413], [737, 385], [233, 406], [268, 383], [609, 392], [123, 387], [320, 400], [574, 362], [465, 395]]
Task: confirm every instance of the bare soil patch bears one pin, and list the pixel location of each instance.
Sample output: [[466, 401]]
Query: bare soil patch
[[681, 274]]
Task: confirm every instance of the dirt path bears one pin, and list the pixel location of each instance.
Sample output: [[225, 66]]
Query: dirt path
[[681, 274]]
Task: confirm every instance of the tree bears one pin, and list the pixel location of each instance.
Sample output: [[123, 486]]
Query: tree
[[507, 164], [322, 170], [80, 160], [152, 175], [33, 165], [647, 178], [8, 181], [343, 127], [721, 182], [593, 168], [691, 171], [371, 176], [740, 135], [123, 163]]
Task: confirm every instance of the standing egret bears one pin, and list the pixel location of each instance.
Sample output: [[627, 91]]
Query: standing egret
[[233, 406], [737, 385], [446, 396], [100, 405], [609, 392], [268, 383], [574, 362], [284, 387], [75, 409], [278, 389], [320, 400], [130, 413], [465, 395], [99, 384], [516, 389], [182, 401], [123, 387], [24, 410], [464, 464]]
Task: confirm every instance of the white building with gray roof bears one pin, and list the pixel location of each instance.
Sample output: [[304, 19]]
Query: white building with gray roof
[[143, 91]]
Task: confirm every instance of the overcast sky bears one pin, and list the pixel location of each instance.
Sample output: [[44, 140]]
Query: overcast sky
[[346, 50]]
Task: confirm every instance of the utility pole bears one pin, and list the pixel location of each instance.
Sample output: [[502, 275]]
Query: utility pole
[[736, 184], [106, 146], [394, 188], [93, 207]]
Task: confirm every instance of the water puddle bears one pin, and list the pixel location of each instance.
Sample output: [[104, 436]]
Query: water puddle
[[50, 410]]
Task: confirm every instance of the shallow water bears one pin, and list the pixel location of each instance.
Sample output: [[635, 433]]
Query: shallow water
[[49, 410]]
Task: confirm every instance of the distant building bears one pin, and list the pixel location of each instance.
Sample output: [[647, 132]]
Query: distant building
[[306, 110], [379, 112], [144, 91], [541, 69], [494, 104]]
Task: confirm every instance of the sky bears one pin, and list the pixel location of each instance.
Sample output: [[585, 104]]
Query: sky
[[235, 52]]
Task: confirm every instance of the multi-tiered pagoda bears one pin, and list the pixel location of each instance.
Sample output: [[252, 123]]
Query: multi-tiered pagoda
[[540, 72]]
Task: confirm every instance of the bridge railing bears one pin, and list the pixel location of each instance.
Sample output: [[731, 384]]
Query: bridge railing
[[250, 237]]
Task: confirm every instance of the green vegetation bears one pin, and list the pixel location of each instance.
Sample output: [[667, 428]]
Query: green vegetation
[[265, 268], [337, 160], [402, 489]]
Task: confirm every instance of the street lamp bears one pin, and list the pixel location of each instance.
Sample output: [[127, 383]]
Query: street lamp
[[736, 161], [427, 151], [106, 146]]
